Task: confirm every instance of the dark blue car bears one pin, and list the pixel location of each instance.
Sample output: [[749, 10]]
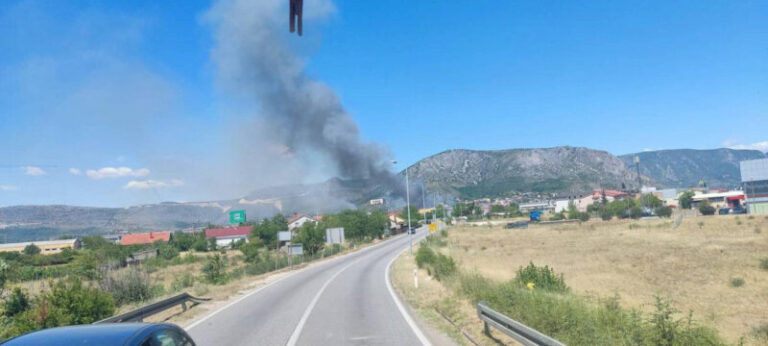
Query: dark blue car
[[123, 334]]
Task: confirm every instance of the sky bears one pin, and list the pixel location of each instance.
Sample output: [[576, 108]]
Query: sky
[[106, 103]]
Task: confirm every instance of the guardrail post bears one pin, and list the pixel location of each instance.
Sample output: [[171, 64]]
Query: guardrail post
[[184, 306]]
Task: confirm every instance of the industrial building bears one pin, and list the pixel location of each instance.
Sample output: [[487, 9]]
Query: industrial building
[[754, 179], [46, 247]]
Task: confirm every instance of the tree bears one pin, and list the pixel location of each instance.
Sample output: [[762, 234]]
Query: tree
[[80, 304], [686, 199], [184, 241], [705, 208], [311, 236], [251, 249], [167, 251], [573, 213], [31, 249], [4, 271], [497, 208], [651, 201], [664, 211], [635, 212], [267, 230], [414, 213]]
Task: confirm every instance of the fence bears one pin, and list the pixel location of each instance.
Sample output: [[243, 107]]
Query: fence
[[516, 330], [139, 314]]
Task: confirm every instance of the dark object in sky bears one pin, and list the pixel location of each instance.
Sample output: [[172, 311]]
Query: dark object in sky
[[295, 17]]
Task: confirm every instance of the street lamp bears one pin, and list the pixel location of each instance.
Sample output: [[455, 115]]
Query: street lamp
[[408, 205]]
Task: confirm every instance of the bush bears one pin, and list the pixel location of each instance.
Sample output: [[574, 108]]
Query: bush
[[213, 270], [584, 217], [79, 304], [31, 249], [543, 278], [184, 281], [167, 251], [706, 209], [443, 266], [606, 215], [129, 286], [664, 211], [250, 250], [764, 263], [635, 212], [16, 303], [737, 282], [424, 256]]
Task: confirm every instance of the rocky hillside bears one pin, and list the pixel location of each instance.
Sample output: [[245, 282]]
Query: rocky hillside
[[476, 173], [685, 167]]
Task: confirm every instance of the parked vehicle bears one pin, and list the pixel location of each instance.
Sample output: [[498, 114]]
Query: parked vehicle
[[724, 211], [738, 210], [123, 334]]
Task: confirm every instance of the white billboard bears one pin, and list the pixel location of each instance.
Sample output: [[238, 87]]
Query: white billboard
[[754, 170], [284, 236], [334, 235]]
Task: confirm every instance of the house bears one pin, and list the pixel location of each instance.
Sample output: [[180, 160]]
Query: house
[[140, 256], [396, 223], [546, 207], [581, 201], [47, 247], [145, 238], [298, 220], [228, 235], [610, 195], [719, 199]]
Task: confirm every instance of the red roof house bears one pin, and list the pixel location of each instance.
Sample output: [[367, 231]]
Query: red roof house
[[228, 232], [145, 238]]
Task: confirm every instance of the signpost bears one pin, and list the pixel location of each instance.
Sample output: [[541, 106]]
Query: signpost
[[334, 235], [284, 236], [237, 216], [432, 227]]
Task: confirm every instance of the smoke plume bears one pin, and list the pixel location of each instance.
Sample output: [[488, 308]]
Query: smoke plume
[[300, 116]]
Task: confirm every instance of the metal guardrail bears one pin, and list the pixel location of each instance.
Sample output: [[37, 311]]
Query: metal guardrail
[[558, 222], [139, 314], [516, 330]]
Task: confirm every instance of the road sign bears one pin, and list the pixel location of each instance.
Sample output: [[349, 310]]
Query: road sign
[[296, 249], [237, 216], [284, 236], [433, 227], [334, 235]]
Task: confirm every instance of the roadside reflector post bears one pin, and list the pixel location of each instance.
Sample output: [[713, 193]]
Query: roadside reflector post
[[415, 279]]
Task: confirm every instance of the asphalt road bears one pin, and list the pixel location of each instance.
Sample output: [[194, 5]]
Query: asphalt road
[[344, 301]]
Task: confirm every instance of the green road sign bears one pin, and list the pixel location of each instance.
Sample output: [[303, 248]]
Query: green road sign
[[237, 216]]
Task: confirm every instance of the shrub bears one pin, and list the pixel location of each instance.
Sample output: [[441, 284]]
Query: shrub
[[184, 281], [424, 256], [213, 270], [761, 333], [16, 303], [758, 230], [80, 304], [443, 266], [706, 209], [664, 211], [167, 251], [606, 215], [764, 263], [584, 216], [737, 282], [543, 278], [250, 250], [31, 249], [129, 286], [635, 212]]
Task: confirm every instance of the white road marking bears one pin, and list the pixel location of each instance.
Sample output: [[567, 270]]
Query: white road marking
[[297, 332], [403, 311], [206, 317]]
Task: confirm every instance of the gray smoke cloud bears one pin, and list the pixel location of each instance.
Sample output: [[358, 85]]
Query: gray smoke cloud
[[298, 118]]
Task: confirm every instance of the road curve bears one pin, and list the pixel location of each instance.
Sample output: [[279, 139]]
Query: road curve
[[343, 301]]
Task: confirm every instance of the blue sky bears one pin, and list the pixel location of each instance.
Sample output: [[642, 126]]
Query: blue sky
[[96, 85]]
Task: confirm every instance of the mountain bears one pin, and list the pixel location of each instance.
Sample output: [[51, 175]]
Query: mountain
[[489, 173], [42, 222], [685, 167]]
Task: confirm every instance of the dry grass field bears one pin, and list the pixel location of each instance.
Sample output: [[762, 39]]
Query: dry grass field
[[695, 265]]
